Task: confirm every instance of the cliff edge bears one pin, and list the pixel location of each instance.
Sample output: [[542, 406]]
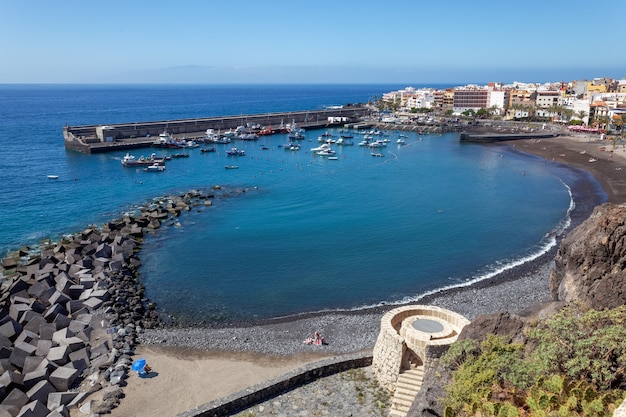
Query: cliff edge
[[590, 269], [590, 263]]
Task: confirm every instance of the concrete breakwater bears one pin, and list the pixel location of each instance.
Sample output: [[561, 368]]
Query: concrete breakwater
[[71, 313], [498, 137], [105, 138]]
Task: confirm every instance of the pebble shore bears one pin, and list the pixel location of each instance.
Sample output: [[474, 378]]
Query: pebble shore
[[347, 332]]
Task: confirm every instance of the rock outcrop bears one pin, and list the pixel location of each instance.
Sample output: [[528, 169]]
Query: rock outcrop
[[591, 261], [428, 400]]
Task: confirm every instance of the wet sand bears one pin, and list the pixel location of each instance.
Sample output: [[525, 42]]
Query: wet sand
[[198, 365]]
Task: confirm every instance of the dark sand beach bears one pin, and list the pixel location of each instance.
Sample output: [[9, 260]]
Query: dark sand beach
[[241, 356]]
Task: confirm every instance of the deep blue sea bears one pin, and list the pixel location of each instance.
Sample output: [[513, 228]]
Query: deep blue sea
[[310, 233]]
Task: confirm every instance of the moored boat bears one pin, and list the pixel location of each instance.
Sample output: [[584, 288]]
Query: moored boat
[[131, 161], [236, 152], [155, 167], [344, 141], [326, 152], [377, 144]]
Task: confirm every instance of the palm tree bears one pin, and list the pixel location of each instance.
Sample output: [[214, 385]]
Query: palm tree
[[568, 113], [581, 115], [532, 111]]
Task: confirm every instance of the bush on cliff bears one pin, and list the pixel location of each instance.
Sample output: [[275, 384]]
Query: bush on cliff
[[576, 368]]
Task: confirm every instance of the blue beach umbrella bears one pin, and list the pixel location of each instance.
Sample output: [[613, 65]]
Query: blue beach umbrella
[[138, 365]]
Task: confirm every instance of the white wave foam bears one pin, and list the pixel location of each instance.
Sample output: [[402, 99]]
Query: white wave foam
[[547, 243]]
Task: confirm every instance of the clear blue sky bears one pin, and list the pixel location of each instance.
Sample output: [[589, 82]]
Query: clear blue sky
[[321, 41]]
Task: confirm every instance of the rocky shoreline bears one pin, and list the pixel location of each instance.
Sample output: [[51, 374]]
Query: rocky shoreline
[[71, 312]]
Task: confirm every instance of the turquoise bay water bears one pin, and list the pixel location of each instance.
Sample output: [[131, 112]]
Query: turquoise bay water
[[317, 234], [310, 233]]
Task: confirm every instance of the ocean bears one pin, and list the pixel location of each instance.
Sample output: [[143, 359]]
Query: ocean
[[309, 234]]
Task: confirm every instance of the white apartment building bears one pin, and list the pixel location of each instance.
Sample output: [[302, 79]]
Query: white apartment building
[[421, 99], [410, 98]]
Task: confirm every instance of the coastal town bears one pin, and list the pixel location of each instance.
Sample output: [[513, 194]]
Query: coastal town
[[597, 105]]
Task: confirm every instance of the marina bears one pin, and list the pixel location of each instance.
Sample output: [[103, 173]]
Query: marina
[[179, 133]]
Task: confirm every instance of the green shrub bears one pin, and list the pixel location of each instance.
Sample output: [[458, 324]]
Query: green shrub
[[576, 369]]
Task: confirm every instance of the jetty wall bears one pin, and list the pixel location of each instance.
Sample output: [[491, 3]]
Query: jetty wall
[[104, 138], [498, 137]]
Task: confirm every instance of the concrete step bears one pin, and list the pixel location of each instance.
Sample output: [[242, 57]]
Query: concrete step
[[408, 385], [396, 413], [408, 377]]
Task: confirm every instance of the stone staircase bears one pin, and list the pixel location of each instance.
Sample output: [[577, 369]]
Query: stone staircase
[[407, 387]]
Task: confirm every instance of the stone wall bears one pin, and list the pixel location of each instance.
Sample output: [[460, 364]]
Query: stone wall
[[261, 392], [397, 335]]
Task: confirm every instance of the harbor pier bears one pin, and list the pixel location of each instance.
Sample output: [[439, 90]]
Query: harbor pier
[[498, 137], [114, 137]]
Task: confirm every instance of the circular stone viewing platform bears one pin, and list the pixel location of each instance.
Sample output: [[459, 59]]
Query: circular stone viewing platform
[[428, 325], [413, 336]]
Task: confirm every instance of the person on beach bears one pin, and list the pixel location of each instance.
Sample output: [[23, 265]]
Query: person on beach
[[316, 340]]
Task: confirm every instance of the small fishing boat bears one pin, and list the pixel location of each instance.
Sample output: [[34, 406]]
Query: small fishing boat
[[131, 161], [231, 166], [377, 144], [156, 167], [326, 152], [236, 152]]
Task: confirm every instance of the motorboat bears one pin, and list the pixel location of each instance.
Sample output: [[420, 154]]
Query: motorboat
[[231, 166], [131, 161], [292, 147], [400, 141], [297, 134], [155, 167], [322, 147], [236, 152], [377, 144], [326, 152], [247, 136], [207, 150], [53, 177], [231, 133], [166, 140], [378, 154], [344, 141]]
